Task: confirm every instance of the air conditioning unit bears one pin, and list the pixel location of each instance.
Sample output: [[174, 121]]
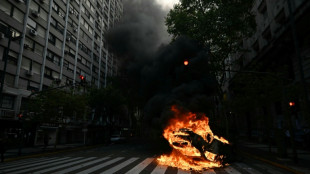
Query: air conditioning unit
[[75, 29], [29, 73], [1, 36], [35, 13], [33, 32]]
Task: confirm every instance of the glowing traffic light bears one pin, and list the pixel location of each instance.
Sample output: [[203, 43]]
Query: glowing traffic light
[[82, 77], [186, 62], [291, 104]]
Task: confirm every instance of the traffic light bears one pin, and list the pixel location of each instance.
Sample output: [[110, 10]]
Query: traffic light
[[20, 116], [293, 107], [83, 80], [186, 62], [292, 104]]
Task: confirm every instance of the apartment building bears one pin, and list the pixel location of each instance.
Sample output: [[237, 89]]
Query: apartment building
[[45, 42], [280, 48]]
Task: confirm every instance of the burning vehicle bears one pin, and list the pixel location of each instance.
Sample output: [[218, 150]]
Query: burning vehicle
[[194, 145]]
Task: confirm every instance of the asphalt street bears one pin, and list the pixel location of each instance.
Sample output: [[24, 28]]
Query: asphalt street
[[131, 158]]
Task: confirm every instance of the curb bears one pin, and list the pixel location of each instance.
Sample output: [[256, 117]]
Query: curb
[[49, 153], [271, 162]]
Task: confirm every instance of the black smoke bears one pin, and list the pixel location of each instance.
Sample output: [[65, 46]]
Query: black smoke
[[156, 67]]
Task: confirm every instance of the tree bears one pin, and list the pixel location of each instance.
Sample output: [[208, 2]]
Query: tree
[[107, 101], [219, 26], [53, 106]]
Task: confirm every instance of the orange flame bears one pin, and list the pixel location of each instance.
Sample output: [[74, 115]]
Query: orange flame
[[190, 136]]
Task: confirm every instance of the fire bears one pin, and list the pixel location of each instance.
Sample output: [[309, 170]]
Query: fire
[[194, 144]]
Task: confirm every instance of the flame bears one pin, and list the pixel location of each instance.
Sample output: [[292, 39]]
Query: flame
[[192, 140]]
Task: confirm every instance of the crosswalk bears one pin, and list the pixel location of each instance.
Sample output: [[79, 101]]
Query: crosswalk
[[105, 165]]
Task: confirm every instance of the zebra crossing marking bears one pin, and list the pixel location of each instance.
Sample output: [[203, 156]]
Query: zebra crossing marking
[[81, 166], [209, 171], [64, 165], [85, 165], [120, 166], [36, 164], [24, 162], [138, 168], [99, 166], [43, 166], [159, 169]]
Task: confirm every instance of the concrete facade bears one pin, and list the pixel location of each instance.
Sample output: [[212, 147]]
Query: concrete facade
[[53, 42]]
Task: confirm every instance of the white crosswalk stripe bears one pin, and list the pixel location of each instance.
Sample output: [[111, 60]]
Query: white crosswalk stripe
[[109, 165], [120, 166], [35, 164], [99, 166], [81, 166], [209, 171], [159, 169], [141, 166], [64, 165], [24, 162], [46, 165]]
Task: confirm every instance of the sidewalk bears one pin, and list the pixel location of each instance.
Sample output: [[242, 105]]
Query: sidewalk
[[26, 152], [261, 152]]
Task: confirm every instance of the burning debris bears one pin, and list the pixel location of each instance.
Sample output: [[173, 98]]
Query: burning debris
[[195, 147]]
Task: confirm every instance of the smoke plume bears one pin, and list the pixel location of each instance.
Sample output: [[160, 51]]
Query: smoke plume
[[157, 65]]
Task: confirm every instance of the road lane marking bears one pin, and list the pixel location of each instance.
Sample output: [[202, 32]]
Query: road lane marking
[[36, 164], [159, 169], [64, 165], [99, 166], [24, 162], [141, 166], [209, 171], [44, 166], [120, 166], [80, 166]]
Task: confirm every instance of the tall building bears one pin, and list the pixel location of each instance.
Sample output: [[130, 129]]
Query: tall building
[[280, 48], [53, 41]]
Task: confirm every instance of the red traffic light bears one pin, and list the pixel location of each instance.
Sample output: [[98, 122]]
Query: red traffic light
[[186, 62], [82, 77], [292, 104], [20, 115]]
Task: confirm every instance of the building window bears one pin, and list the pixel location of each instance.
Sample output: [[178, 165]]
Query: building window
[[8, 101], [52, 39]]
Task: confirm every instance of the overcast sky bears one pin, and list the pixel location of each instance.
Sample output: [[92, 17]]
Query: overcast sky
[[167, 4]]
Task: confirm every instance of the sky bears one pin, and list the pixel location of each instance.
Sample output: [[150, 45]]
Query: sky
[[167, 4]]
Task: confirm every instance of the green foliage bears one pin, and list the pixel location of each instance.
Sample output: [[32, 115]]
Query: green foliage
[[54, 105], [107, 101], [217, 25]]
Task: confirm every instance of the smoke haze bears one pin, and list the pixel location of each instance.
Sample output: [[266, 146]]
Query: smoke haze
[[156, 66]]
